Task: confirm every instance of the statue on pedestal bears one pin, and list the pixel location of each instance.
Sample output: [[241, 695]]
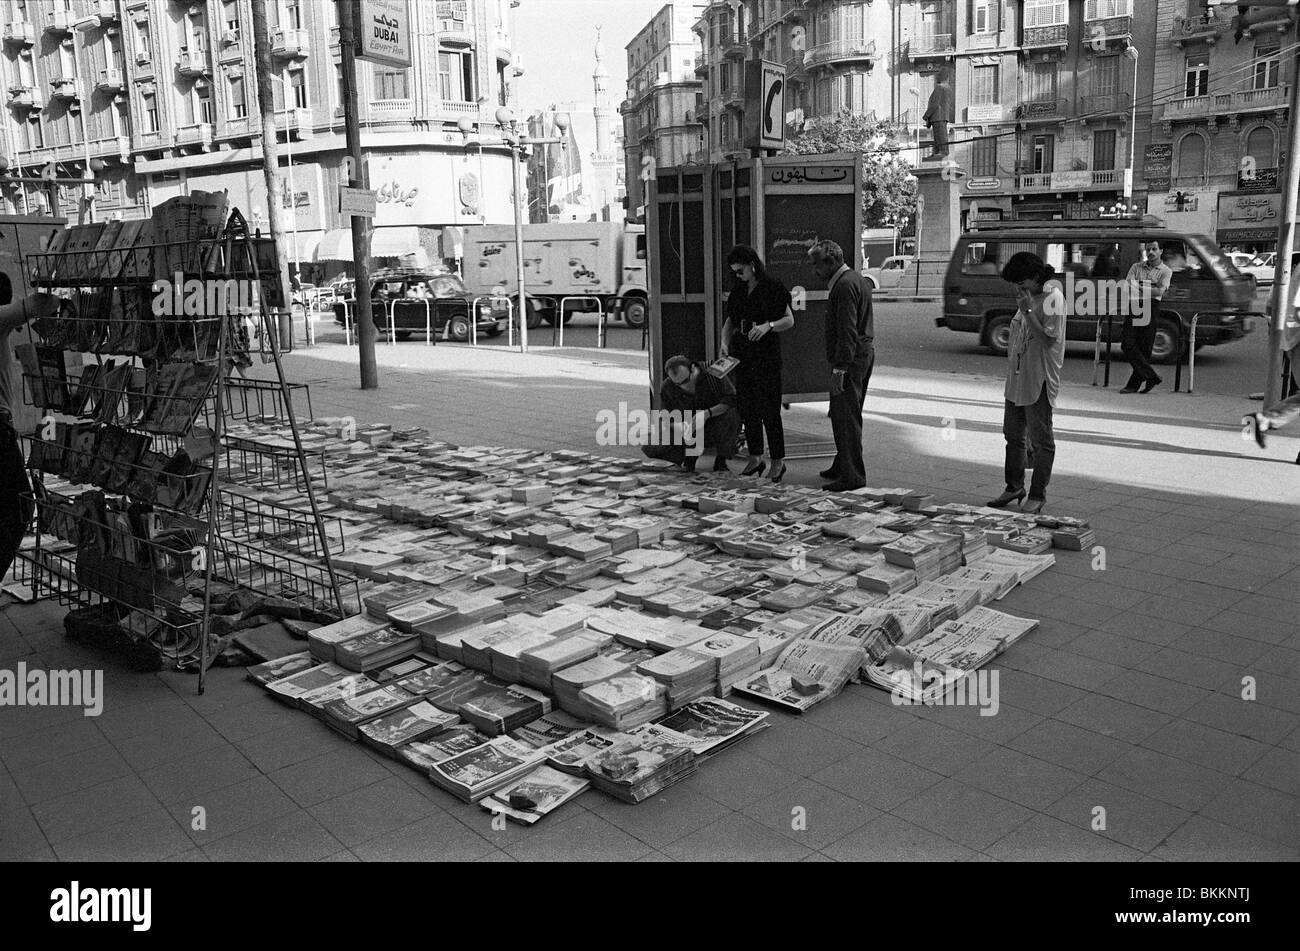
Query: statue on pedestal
[[939, 114]]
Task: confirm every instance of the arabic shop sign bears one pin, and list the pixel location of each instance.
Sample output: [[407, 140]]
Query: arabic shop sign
[[811, 174], [1250, 211], [385, 32], [393, 193]]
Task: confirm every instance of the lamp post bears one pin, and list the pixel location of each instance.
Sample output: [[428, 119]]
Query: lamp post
[[1132, 53], [84, 25], [293, 202], [519, 143]]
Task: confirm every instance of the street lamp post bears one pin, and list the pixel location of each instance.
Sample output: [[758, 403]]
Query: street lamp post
[[1132, 53], [519, 143]]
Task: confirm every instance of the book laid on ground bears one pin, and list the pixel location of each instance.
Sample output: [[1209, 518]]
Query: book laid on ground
[[455, 739], [418, 721], [374, 649], [711, 725], [289, 689], [479, 772], [637, 767], [499, 707], [323, 641], [926, 669], [553, 727], [346, 714], [541, 791], [281, 667]]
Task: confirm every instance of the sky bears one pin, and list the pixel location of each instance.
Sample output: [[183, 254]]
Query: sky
[[556, 40]]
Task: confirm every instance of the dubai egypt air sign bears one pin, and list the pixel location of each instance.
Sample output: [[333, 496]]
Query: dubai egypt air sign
[[385, 32]]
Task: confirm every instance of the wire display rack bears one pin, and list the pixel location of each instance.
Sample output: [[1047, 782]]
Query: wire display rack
[[144, 499]]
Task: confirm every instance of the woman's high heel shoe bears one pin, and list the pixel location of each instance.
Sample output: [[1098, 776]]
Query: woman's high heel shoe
[[1006, 498], [755, 467], [778, 471], [1033, 506]]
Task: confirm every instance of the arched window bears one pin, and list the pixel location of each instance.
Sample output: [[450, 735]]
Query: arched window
[[1191, 157], [1259, 145]]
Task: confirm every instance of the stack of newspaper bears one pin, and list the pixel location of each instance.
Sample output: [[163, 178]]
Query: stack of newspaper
[[710, 726], [322, 641], [625, 701], [499, 707], [418, 721], [347, 714], [929, 554], [537, 664], [734, 657], [887, 579], [1027, 567], [806, 673], [481, 771], [685, 674], [376, 648], [637, 767], [454, 740]]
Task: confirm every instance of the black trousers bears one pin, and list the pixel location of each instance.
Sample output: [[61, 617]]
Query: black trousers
[[846, 423], [1135, 344], [758, 398], [1035, 422], [720, 435], [15, 496]]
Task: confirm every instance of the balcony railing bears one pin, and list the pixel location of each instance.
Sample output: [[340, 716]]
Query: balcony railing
[[1042, 109], [455, 107], [701, 64], [1106, 29], [22, 96], [199, 133], [193, 62], [735, 45], [296, 120], [1224, 105], [733, 99], [1105, 177], [1058, 34], [106, 10], [842, 51], [20, 32], [1105, 103], [1070, 180], [387, 110], [1203, 27], [505, 54], [930, 44], [289, 43], [65, 89], [113, 145], [110, 80], [60, 21]]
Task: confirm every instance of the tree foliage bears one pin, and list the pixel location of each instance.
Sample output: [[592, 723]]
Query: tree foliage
[[888, 190]]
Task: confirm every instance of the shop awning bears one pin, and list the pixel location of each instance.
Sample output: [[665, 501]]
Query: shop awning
[[336, 245], [302, 246]]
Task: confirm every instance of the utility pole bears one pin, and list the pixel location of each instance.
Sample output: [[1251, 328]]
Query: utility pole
[[1283, 293], [271, 169], [358, 179]]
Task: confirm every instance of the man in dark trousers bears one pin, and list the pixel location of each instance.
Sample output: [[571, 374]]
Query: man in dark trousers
[[938, 114], [851, 352]]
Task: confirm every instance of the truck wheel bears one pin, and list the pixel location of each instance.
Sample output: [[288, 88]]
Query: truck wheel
[[534, 315], [634, 313], [1169, 346], [997, 335]]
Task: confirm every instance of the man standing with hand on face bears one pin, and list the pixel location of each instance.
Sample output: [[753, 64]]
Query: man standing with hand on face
[[851, 352], [1148, 281]]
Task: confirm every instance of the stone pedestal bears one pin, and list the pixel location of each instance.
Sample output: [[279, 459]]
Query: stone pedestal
[[939, 188]]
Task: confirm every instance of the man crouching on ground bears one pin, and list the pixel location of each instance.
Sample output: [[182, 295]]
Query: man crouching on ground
[[690, 394]]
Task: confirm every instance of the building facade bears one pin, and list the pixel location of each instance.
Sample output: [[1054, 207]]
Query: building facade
[[661, 118], [1222, 125], [160, 98]]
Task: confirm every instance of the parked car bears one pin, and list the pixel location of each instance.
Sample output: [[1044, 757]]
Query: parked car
[[1258, 266], [1205, 281], [409, 301], [890, 274]]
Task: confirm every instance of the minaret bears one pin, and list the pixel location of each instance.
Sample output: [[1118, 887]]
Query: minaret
[[605, 161]]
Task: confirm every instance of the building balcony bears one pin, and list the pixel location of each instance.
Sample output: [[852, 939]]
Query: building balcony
[[1106, 104], [1045, 110], [65, 89], [1265, 20], [110, 80], [106, 10], [296, 122], [229, 37], [1227, 105], [20, 33], [390, 111], [505, 54], [1204, 27], [59, 23], [843, 51], [1083, 180], [199, 133], [733, 99], [289, 44], [1101, 33], [458, 108], [734, 46], [701, 65], [454, 32], [930, 45], [1045, 37], [117, 145], [22, 97], [193, 63]]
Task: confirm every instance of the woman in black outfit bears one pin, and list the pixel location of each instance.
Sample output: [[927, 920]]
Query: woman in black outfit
[[757, 310]]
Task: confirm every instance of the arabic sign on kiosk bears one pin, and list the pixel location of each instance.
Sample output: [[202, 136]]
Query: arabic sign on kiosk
[[811, 174], [384, 31]]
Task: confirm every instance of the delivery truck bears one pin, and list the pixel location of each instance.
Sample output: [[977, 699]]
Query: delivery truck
[[596, 265]]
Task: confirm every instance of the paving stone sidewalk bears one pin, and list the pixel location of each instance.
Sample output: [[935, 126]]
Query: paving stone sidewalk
[[1128, 697]]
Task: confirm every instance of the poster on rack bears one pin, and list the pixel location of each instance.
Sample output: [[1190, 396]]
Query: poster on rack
[[22, 235]]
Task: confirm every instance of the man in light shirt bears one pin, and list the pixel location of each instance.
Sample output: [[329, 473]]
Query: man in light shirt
[[1281, 413], [1148, 281]]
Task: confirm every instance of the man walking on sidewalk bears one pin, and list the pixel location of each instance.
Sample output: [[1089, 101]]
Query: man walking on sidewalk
[[1148, 280], [851, 352]]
